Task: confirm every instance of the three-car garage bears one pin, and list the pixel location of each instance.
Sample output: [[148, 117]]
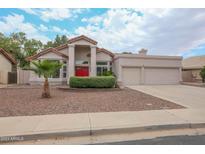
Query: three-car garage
[[135, 69]]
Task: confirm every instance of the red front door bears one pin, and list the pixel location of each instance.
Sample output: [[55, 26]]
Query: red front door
[[81, 71]]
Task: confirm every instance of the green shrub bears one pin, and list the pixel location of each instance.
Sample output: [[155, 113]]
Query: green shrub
[[107, 73], [92, 82], [202, 74]]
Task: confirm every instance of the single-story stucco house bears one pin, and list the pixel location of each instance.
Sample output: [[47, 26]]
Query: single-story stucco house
[[192, 67], [7, 63], [82, 57]]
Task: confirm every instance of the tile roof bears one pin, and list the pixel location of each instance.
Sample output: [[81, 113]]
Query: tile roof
[[56, 49], [82, 37], [45, 51], [105, 51], [8, 56]]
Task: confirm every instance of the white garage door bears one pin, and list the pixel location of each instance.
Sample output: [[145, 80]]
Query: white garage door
[[131, 76], [161, 76]]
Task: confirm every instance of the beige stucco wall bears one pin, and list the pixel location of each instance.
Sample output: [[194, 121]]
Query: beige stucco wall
[[191, 75], [50, 55], [196, 75], [187, 76], [150, 62], [103, 57], [64, 51], [82, 42], [5, 67], [116, 69], [82, 52]]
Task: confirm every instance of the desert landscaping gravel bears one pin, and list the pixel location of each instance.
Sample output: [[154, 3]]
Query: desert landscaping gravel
[[27, 101]]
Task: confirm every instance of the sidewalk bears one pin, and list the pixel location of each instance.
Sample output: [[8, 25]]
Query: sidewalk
[[197, 84], [3, 85], [35, 127]]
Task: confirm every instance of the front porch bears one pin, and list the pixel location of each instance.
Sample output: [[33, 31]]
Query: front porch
[[82, 60]]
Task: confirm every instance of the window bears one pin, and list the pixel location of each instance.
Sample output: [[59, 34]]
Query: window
[[101, 70], [79, 62], [64, 69], [102, 66], [64, 74], [57, 74], [111, 66], [101, 63]]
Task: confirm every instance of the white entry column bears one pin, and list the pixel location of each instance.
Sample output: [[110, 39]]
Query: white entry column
[[93, 60], [71, 54], [61, 70]]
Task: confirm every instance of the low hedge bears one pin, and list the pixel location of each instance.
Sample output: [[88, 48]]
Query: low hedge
[[92, 82]]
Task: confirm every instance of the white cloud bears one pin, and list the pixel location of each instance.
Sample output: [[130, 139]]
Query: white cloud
[[53, 29], [84, 20], [56, 29], [59, 30], [93, 20], [43, 28], [162, 31], [16, 23], [54, 13], [29, 10]]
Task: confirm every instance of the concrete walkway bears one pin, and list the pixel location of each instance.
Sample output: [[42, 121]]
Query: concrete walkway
[[99, 123]]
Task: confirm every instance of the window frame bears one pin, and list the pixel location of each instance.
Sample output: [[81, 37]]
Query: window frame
[[102, 67]]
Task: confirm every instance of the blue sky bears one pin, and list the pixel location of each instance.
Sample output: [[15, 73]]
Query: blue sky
[[161, 31], [69, 25]]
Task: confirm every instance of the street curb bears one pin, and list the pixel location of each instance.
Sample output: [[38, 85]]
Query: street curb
[[100, 131], [39, 136]]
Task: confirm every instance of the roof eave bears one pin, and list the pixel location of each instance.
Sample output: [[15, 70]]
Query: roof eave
[[8, 56], [75, 39]]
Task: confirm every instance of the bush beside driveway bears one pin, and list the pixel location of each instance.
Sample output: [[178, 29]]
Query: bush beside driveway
[[26, 101]]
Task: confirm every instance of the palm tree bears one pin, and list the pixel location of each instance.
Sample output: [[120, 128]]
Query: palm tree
[[46, 68]]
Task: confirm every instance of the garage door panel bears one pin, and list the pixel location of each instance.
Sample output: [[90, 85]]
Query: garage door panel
[[161, 76], [131, 76]]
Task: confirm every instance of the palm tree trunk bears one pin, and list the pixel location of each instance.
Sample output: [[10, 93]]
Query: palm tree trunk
[[46, 89]]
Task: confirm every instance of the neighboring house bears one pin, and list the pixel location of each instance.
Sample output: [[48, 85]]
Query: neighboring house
[[7, 63], [192, 67], [82, 57]]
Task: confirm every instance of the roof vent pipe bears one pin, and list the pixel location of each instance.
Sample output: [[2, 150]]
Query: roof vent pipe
[[143, 52]]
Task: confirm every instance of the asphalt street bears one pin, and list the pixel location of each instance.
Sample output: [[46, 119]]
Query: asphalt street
[[169, 140]]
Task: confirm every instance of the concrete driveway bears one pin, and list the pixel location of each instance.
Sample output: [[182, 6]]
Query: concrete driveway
[[188, 96]]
